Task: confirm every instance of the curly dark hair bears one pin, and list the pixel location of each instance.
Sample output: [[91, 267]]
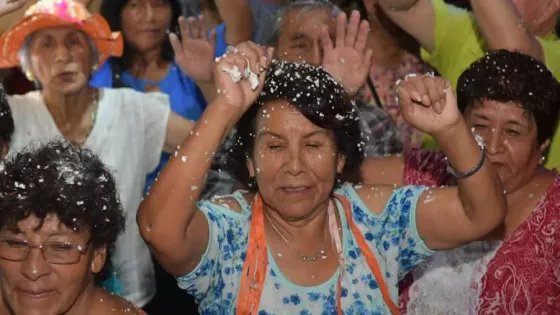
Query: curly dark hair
[[320, 98], [6, 119], [111, 10], [62, 179], [506, 76]]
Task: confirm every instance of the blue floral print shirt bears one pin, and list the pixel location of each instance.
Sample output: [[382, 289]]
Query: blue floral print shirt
[[392, 236]]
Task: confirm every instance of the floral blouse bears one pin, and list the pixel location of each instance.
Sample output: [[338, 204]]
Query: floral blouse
[[519, 275], [392, 235], [384, 80]]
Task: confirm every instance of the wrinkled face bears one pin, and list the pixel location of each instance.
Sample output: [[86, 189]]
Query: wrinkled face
[[294, 161], [539, 15], [61, 59], [145, 23], [511, 140], [299, 39], [34, 286]]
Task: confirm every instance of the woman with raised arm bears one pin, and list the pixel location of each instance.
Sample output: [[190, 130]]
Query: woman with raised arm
[[511, 101], [302, 240]]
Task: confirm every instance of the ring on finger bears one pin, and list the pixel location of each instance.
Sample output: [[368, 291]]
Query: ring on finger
[[410, 75], [429, 74], [230, 49]]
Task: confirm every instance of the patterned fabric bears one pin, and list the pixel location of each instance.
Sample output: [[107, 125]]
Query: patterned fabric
[[392, 235], [381, 134], [520, 275], [384, 80]]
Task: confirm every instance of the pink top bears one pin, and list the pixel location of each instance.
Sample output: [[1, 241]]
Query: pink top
[[385, 80], [520, 276]]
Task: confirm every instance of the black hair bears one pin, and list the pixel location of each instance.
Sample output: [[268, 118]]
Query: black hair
[[111, 10], [6, 120], [320, 98], [60, 178], [505, 76]]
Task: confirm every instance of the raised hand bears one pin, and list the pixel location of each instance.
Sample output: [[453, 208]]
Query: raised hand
[[428, 104], [8, 6], [195, 54], [349, 62], [232, 75]]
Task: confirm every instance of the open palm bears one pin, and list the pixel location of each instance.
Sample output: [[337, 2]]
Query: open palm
[[195, 53], [8, 6], [348, 62]]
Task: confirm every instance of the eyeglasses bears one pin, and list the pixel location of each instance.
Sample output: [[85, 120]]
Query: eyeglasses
[[60, 253]]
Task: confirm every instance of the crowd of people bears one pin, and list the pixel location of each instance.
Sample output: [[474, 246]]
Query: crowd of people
[[279, 157]]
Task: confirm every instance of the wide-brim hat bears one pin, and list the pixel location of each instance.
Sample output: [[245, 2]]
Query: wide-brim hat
[[59, 13]]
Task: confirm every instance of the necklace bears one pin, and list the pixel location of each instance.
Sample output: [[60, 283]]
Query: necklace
[[308, 258]]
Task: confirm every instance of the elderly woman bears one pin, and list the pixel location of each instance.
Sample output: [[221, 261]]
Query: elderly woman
[[511, 101], [60, 216], [58, 44], [300, 241]]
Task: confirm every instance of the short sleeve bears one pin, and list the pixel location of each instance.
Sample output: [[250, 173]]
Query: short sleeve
[[427, 168], [155, 111], [456, 39], [412, 249], [228, 239]]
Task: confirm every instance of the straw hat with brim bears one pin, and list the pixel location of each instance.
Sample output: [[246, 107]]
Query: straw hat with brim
[[59, 13]]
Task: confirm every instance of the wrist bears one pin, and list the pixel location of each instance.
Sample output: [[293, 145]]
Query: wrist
[[450, 133]]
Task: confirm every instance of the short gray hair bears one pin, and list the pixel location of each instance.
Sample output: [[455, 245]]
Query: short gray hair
[[304, 6], [24, 52]]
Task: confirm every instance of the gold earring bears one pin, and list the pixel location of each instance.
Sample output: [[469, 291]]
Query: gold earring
[[94, 68], [543, 159], [29, 75]]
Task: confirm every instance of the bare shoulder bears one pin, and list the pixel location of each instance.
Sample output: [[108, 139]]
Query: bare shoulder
[[107, 303], [375, 197], [231, 203]]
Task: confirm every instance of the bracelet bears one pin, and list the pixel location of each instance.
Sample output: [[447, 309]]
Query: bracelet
[[475, 169]]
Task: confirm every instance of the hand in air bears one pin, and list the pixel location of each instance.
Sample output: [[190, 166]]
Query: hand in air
[[428, 104], [195, 53], [239, 75], [8, 6], [348, 61]]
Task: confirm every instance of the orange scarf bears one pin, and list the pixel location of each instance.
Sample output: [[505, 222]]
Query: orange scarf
[[256, 262]]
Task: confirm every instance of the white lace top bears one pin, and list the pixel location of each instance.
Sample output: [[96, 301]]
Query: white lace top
[[449, 283]]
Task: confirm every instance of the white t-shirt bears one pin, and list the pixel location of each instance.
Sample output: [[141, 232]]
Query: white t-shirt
[[128, 136]]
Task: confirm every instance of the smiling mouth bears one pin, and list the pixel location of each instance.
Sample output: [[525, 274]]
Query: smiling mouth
[[295, 190], [36, 295]]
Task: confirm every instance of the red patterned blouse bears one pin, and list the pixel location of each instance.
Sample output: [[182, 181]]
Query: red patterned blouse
[[519, 275]]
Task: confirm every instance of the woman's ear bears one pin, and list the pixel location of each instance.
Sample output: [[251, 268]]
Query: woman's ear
[[544, 146], [341, 161], [251, 167], [99, 259]]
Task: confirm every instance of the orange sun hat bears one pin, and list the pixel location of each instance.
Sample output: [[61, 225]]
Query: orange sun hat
[[59, 13]]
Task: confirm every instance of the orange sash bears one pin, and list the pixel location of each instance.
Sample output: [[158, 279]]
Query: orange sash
[[256, 262]]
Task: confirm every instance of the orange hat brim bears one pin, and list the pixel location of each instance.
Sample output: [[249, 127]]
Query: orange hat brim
[[108, 43]]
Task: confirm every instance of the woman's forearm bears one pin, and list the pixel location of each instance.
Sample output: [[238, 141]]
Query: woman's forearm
[[502, 27], [167, 211], [483, 190]]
